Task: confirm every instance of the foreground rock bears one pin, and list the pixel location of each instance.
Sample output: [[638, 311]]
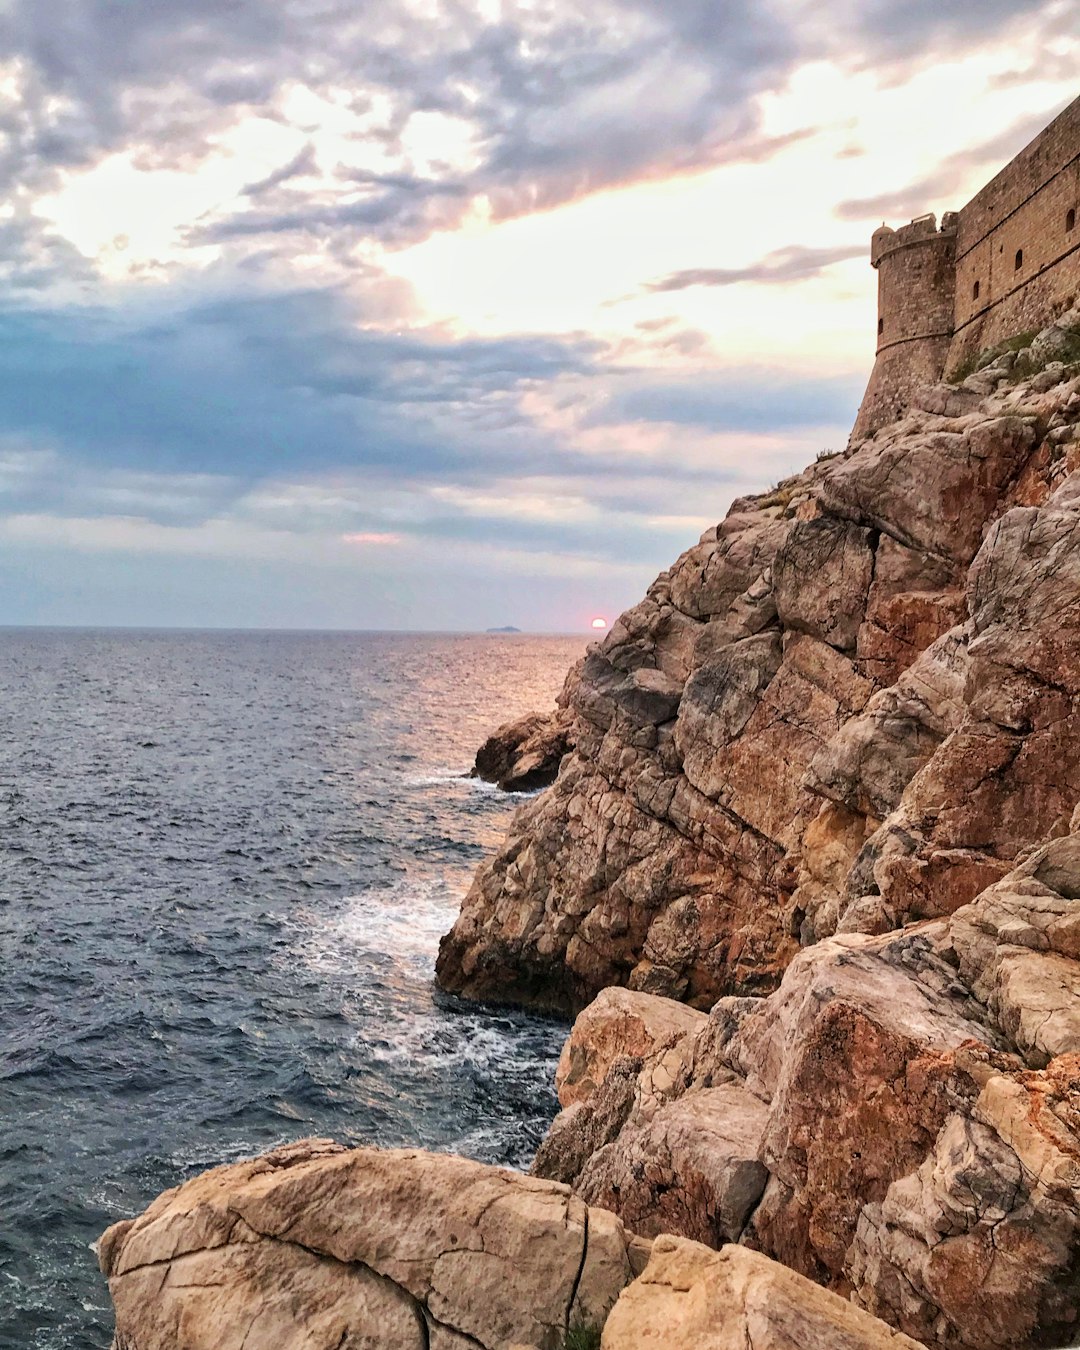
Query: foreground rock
[[314, 1246], [851, 706], [900, 1120], [691, 1298]]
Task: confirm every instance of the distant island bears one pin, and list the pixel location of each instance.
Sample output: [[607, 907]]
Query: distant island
[[508, 629]]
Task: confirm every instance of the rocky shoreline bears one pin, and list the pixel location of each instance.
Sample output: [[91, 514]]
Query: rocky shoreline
[[809, 876]]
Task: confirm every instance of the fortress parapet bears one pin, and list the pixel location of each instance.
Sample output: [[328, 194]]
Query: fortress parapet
[[1008, 262], [916, 267]]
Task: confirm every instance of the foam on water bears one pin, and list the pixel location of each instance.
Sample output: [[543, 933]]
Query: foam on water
[[225, 864], [402, 922]]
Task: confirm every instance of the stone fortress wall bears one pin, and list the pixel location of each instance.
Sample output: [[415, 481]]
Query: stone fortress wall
[[1007, 263]]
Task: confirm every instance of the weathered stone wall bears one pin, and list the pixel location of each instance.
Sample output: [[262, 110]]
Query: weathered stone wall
[[1008, 263], [1020, 217], [916, 276], [916, 273]]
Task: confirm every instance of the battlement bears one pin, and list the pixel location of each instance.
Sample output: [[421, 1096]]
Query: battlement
[[1007, 262], [923, 229]]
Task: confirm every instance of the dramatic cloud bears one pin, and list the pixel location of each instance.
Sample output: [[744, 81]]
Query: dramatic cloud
[[795, 263], [514, 91], [433, 105], [294, 292]]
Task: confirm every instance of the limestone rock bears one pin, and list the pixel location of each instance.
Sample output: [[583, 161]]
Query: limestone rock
[[313, 1245], [692, 1168], [900, 1119], [851, 705], [615, 1024], [821, 577], [980, 1245], [524, 755], [691, 1298]]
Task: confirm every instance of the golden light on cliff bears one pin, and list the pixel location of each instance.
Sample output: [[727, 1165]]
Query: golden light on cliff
[[599, 624]]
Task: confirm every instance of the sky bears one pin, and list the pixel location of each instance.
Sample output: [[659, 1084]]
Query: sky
[[449, 314]]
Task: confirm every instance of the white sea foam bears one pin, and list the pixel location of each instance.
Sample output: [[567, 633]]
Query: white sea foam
[[399, 923], [452, 777]]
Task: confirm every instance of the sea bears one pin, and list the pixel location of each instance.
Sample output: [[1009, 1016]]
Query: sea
[[226, 859]]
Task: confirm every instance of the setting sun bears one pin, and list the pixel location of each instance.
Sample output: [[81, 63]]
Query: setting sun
[[599, 623]]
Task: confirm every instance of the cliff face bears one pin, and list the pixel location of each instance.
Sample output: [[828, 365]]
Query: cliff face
[[851, 706], [825, 785], [822, 782]]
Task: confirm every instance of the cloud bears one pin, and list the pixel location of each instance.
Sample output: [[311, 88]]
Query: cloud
[[939, 187], [247, 383], [267, 424], [165, 80], [884, 31], [758, 401], [377, 537], [242, 407], [305, 161], [544, 103], [784, 265]]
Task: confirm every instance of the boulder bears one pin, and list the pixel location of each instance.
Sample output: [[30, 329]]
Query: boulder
[[618, 1022], [524, 755], [313, 1245], [979, 1245], [691, 1298], [692, 1167]]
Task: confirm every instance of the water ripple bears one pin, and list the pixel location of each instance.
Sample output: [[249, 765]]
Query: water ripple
[[225, 862]]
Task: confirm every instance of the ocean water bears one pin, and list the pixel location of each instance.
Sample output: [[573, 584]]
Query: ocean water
[[225, 863]]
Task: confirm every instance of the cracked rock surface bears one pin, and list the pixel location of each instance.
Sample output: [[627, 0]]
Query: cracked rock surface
[[691, 1298], [315, 1247], [852, 705], [899, 1121]]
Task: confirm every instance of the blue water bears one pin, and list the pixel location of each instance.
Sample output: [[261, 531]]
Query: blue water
[[225, 863]]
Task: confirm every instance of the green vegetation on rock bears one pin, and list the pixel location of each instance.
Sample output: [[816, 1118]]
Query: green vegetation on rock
[[582, 1337]]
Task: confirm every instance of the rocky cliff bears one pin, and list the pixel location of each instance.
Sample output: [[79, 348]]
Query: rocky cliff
[[852, 705], [824, 784], [811, 868]]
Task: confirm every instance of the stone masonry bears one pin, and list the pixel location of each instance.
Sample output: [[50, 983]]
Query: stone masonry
[[1007, 263]]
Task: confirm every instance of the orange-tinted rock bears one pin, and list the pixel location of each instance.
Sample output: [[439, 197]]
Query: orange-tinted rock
[[616, 1024], [890, 631], [313, 1245], [524, 755]]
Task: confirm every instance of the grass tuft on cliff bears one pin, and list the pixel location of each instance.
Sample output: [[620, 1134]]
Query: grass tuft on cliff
[[1026, 365], [582, 1337]]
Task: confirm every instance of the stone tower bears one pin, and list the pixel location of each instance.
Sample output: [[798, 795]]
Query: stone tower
[[916, 267], [1004, 266]]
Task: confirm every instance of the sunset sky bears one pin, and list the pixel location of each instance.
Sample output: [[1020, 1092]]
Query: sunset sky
[[451, 314]]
